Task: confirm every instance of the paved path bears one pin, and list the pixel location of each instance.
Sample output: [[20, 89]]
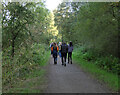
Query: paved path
[[71, 79]]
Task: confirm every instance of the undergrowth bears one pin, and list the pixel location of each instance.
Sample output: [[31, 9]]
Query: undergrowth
[[24, 63], [104, 68]]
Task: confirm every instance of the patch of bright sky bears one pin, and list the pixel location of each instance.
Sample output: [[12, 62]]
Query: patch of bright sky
[[52, 4]]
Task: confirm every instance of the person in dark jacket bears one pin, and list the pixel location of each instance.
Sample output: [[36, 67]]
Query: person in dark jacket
[[70, 49], [64, 49]]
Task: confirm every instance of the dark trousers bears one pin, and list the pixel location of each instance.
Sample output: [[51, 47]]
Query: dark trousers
[[69, 56], [55, 58], [64, 55]]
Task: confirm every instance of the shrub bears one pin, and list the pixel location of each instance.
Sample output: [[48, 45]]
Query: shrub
[[109, 63], [90, 55], [24, 62]]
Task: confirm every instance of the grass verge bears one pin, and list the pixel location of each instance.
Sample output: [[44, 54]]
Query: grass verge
[[33, 82], [110, 79]]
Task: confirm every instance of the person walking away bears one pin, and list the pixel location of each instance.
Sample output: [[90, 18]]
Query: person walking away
[[64, 49], [55, 49], [51, 48], [60, 49], [70, 50]]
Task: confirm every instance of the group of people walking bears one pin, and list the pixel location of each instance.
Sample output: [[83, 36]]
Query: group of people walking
[[62, 49]]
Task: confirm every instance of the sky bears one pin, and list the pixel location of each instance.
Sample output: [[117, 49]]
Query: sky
[[52, 4]]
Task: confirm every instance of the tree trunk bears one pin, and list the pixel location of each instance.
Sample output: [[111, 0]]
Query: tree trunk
[[118, 30], [13, 47]]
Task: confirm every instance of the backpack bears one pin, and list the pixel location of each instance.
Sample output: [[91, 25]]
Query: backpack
[[70, 49], [54, 50], [64, 48]]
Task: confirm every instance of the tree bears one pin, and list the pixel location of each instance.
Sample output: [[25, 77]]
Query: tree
[[93, 25], [16, 18]]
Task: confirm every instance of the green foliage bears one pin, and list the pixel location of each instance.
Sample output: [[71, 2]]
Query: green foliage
[[23, 64], [24, 24], [94, 25], [25, 40], [109, 63], [88, 56], [16, 18], [104, 75], [30, 84]]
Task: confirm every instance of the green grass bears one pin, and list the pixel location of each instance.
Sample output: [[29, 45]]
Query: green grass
[[110, 79], [34, 82]]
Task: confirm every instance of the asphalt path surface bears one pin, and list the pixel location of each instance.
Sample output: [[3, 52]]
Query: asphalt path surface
[[71, 79]]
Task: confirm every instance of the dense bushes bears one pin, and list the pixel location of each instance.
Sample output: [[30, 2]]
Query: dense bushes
[[108, 62], [24, 39], [99, 68], [24, 62]]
